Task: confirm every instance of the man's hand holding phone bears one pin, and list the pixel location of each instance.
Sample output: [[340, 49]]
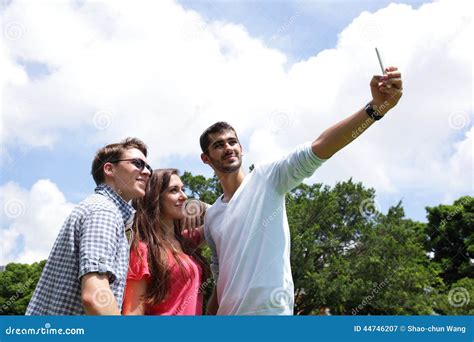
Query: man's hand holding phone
[[386, 89]]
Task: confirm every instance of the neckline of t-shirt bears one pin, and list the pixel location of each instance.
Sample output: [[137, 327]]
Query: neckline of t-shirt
[[237, 192], [221, 200]]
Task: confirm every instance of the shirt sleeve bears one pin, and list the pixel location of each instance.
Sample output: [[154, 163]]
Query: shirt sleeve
[[212, 246], [291, 170], [98, 244], [138, 264]]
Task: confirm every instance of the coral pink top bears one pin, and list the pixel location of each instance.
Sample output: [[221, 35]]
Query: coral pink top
[[184, 296]]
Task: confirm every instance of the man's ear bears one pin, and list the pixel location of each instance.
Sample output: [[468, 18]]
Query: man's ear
[[108, 169], [205, 158]]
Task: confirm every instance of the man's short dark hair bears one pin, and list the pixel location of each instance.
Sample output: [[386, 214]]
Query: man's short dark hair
[[218, 127], [113, 152]]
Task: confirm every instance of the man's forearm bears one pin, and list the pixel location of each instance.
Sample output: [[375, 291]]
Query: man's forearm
[[94, 309], [97, 297], [344, 132]]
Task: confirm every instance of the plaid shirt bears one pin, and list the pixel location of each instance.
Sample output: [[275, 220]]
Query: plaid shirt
[[92, 239]]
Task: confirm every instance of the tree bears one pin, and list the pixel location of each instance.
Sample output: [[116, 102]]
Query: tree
[[202, 188], [17, 283], [345, 255], [354, 260], [457, 299], [450, 233]]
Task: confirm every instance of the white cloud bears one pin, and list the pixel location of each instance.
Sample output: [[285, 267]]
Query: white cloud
[[30, 220], [160, 72]]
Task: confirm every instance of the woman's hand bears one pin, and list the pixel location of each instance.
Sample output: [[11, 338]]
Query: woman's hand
[[194, 211]]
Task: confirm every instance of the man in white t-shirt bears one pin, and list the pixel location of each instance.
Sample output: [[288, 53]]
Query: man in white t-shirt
[[247, 228]]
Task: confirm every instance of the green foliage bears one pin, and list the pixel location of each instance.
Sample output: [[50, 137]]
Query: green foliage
[[346, 256], [450, 234], [17, 283], [353, 260], [457, 299], [207, 190]]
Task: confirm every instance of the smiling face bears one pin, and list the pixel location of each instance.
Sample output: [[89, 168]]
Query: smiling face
[[173, 198], [224, 153], [125, 177]]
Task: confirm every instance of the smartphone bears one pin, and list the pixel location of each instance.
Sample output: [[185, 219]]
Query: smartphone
[[380, 61]]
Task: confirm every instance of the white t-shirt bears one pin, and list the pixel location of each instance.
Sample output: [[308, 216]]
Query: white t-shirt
[[250, 239]]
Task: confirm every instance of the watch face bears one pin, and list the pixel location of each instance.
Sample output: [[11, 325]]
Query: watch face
[[372, 112]]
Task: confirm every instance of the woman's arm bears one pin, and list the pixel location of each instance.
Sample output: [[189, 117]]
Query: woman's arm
[[133, 302]]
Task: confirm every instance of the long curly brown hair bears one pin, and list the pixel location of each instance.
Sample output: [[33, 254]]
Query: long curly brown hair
[[148, 228]]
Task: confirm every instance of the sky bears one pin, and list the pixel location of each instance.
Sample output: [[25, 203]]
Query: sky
[[77, 75]]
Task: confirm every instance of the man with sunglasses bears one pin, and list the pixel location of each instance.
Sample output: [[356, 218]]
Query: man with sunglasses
[[87, 267]]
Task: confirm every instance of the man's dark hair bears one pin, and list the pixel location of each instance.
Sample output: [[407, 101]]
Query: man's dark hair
[[113, 152], [218, 127]]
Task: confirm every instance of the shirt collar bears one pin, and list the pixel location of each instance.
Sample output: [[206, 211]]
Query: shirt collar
[[125, 208]]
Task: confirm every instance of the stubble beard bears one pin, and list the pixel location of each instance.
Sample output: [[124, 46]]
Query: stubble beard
[[218, 165]]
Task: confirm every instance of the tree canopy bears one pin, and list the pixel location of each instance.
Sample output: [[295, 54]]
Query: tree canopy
[[346, 256]]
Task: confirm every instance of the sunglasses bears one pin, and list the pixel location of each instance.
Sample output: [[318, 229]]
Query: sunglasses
[[138, 163]]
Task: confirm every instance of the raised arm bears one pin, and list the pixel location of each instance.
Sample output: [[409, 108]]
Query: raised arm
[[386, 91]]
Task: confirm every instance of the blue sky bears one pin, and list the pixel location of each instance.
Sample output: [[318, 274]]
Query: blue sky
[[300, 28], [143, 79]]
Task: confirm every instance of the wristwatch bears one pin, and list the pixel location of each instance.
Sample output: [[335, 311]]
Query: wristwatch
[[369, 109]]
